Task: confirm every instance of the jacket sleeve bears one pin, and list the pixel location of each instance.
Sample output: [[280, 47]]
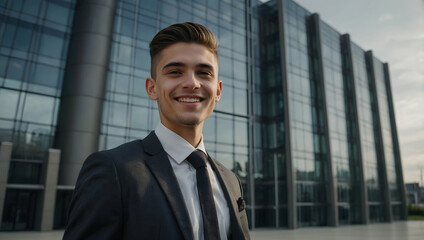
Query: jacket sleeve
[[95, 211]]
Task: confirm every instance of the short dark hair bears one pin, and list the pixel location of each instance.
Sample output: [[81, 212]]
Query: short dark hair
[[188, 32]]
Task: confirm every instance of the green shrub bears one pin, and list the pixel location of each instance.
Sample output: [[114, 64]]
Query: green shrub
[[415, 210]]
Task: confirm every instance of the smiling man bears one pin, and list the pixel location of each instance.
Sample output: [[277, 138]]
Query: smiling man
[[165, 186]]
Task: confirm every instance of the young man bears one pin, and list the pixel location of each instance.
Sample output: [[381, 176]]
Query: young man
[[165, 186]]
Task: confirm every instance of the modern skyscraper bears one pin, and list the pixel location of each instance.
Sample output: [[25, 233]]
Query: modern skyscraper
[[306, 119]]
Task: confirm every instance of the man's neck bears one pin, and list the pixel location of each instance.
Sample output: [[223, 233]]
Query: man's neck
[[192, 134]]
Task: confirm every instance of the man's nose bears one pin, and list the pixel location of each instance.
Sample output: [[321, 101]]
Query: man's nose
[[191, 81]]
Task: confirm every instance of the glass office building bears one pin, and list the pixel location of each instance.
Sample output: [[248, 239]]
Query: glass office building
[[306, 119]]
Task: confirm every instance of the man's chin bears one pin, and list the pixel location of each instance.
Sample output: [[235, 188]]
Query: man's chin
[[191, 122]]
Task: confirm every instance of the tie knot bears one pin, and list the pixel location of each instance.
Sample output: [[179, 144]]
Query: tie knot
[[197, 159]]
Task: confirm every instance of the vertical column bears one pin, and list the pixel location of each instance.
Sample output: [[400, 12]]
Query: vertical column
[[50, 186], [5, 156], [378, 135], [315, 32], [251, 109], [84, 85], [396, 148], [291, 174], [349, 76]]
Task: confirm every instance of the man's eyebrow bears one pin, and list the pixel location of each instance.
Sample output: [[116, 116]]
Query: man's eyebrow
[[180, 64], [174, 64], [205, 65]]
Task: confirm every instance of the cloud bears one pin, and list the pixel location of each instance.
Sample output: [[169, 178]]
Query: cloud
[[385, 17]]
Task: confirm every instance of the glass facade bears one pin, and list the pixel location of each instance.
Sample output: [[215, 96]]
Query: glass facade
[[346, 168], [34, 39], [304, 119], [387, 141]]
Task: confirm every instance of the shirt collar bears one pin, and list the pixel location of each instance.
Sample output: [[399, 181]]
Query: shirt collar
[[174, 145]]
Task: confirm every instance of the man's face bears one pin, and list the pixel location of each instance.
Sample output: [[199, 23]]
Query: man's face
[[186, 85]]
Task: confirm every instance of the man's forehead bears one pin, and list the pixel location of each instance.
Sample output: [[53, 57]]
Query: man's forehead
[[187, 54]]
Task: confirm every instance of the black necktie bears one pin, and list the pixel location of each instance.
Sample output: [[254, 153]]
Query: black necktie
[[210, 220]]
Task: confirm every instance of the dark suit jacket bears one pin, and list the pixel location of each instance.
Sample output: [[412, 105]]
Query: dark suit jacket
[[131, 192]]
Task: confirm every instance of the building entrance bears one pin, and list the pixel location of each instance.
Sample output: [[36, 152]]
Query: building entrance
[[19, 210]]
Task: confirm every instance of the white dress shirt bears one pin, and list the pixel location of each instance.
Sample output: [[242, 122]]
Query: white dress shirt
[[178, 149]]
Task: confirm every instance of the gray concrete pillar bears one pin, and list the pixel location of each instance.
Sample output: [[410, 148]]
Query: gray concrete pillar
[[50, 186], [5, 156], [84, 85]]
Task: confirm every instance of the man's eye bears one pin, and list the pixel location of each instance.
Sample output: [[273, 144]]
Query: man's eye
[[205, 73], [174, 72]]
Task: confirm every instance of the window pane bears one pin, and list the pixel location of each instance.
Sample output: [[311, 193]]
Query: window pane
[[51, 44], [38, 109], [209, 129], [225, 130], [31, 7], [23, 37], [3, 64], [149, 4], [145, 32], [169, 10], [15, 69], [8, 103], [57, 13], [118, 114], [241, 136], [139, 117], [142, 59], [46, 75], [127, 27], [9, 33], [124, 55], [240, 99]]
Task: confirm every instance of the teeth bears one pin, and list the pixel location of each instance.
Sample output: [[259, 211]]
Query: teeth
[[189, 99]]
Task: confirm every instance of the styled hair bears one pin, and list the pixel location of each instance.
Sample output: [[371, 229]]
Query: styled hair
[[187, 32]]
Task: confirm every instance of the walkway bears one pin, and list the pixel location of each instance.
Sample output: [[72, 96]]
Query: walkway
[[411, 230]]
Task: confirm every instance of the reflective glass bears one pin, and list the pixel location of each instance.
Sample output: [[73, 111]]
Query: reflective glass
[[3, 64], [142, 59], [209, 129], [118, 114], [38, 109], [31, 7], [51, 44], [8, 103], [139, 117], [169, 10], [23, 37], [9, 33], [46, 75], [57, 13], [15, 69], [225, 130], [241, 133], [127, 27], [145, 32]]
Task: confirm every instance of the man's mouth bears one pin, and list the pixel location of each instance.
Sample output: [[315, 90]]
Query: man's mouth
[[188, 100]]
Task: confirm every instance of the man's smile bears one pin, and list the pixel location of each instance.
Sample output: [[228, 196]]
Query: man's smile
[[189, 99]]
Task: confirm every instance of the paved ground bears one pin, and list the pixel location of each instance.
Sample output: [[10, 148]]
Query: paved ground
[[411, 230]]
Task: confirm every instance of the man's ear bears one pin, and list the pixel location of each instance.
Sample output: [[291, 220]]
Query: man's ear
[[151, 88], [218, 91]]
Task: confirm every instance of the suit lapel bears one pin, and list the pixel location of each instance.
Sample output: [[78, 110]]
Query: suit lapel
[[231, 192], [159, 165]]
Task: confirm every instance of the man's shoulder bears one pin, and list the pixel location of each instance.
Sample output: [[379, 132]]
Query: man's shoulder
[[123, 149]]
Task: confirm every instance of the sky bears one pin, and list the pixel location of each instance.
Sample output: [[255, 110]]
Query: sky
[[394, 31]]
